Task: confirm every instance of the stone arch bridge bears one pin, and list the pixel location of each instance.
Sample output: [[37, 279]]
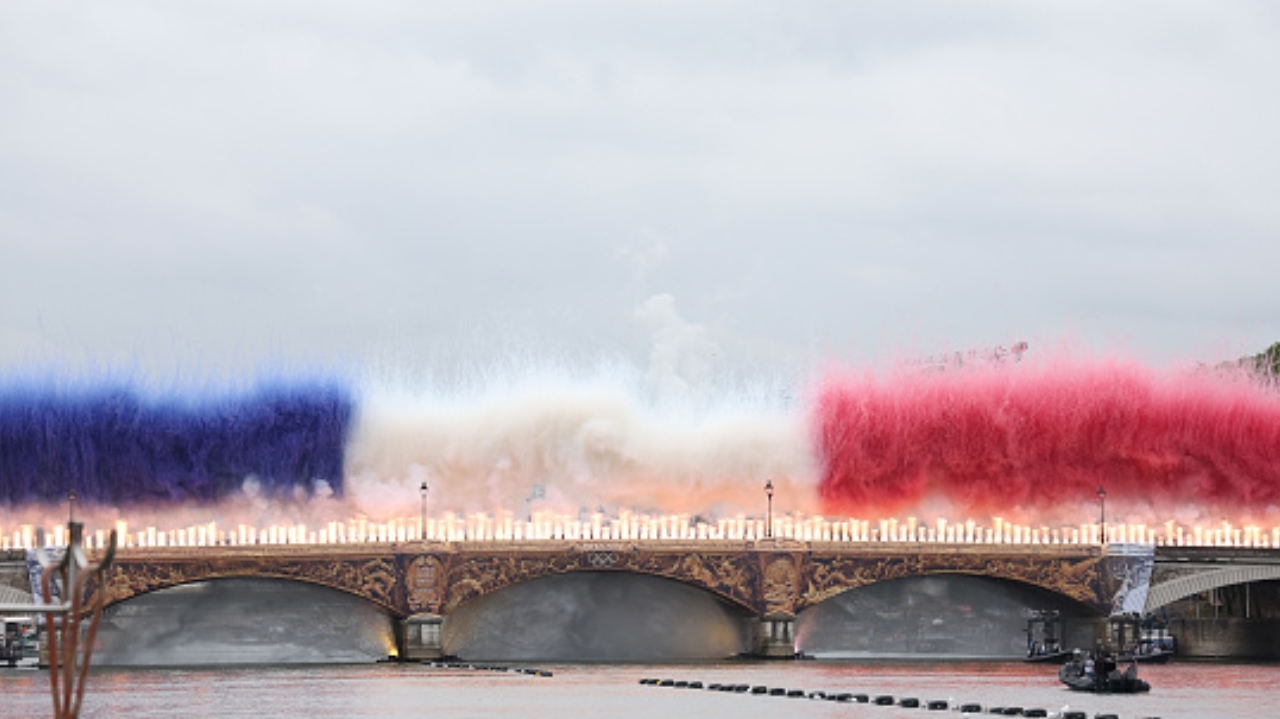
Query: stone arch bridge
[[420, 583]]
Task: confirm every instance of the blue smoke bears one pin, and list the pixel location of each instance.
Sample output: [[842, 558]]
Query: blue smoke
[[113, 446]]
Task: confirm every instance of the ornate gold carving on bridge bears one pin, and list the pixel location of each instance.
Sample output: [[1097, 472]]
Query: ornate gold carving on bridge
[[778, 586], [424, 580], [727, 575], [1075, 577], [761, 581], [375, 579]]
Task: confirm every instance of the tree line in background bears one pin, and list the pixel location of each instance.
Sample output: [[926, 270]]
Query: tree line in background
[[1265, 363]]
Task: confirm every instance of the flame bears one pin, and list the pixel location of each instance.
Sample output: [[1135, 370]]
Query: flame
[[502, 526]]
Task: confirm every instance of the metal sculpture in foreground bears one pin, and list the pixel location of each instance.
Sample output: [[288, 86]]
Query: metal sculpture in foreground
[[64, 615]]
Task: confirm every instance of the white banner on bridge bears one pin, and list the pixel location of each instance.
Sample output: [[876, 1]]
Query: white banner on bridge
[[1135, 576], [35, 569]]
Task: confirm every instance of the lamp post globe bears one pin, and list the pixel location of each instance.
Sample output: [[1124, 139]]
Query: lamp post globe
[[768, 493], [1102, 514], [423, 518]]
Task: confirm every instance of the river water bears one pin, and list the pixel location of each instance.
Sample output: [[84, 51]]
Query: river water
[[390, 691]]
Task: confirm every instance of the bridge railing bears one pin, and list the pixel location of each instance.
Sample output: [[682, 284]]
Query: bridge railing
[[503, 526]]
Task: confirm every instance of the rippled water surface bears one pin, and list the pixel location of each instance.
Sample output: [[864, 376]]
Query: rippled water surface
[[1180, 691]]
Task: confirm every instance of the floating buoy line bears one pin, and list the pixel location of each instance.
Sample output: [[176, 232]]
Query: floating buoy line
[[489, 668], [887, 700]]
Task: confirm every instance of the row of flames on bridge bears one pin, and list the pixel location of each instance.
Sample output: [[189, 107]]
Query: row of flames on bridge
[[628, 526]]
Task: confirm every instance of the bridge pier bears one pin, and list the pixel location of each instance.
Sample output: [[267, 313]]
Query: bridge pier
[[776, 636], [420, 637]]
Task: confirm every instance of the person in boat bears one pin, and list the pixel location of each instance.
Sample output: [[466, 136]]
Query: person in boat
[[1106, 665], [1088, 667]]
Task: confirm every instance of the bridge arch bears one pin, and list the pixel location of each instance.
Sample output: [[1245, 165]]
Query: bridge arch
[[937, 613], [1170, 591], [465, 593], [244, 620], [1050, 594], [373, 580], [731, 578], [598, 615], [1080, 578]]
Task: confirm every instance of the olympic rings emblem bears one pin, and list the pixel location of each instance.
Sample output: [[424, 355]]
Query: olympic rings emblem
[[601, 560]]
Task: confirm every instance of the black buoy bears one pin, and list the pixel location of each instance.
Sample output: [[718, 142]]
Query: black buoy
[[971, 708], [861, 698], [995, 710], [714, 687], [934, 705], [883, 700], [777, 692], [1035, 713], [1013, 711], [695, 685], [795, 693], [817, 695], [681, 684], [909, 703], [667, 683], [843, 697], [740, 688], [1074, 715], [1105, 716], [759, 690]]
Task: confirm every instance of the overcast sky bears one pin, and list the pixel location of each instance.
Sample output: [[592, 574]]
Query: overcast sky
[[232, 183]]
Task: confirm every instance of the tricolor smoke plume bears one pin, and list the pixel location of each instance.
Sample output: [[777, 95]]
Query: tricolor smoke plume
[[1038, 440], [1030, 442]]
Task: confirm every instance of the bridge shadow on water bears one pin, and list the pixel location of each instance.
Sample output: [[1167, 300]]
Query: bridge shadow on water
[[243, 621], [598, 616], [935, 616]]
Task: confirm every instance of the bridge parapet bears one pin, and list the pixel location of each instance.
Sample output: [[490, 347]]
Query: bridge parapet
[[1217, 555]]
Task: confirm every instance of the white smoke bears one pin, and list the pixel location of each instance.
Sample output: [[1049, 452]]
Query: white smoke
[[588, 447], [675, 438], [681, 354]]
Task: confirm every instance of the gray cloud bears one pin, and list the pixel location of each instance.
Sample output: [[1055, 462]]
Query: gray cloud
[[227, 182]]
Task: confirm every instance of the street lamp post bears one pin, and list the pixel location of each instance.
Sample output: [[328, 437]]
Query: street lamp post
[[1102, 509], [768, 493], [423, 519]]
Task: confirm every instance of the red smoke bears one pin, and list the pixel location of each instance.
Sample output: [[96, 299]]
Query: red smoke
[[1040, 440]]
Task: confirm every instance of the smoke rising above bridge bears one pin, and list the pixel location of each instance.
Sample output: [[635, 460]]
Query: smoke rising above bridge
[[1029, 442]]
